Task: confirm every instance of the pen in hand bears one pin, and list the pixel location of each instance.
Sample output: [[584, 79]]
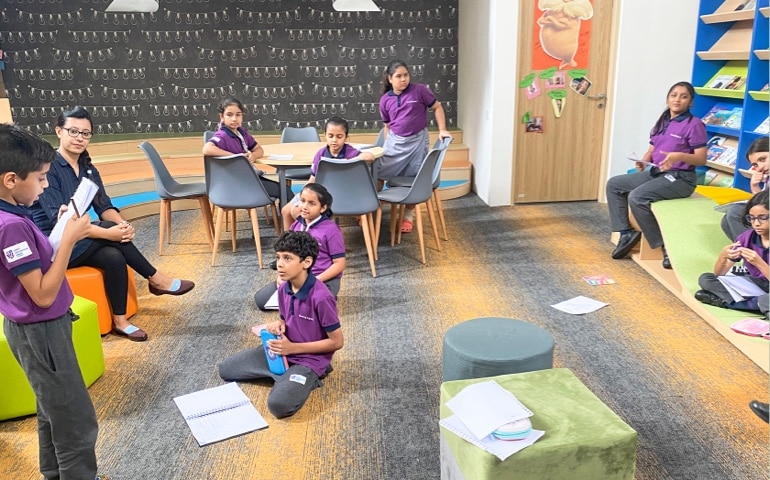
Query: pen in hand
[[76, 209]]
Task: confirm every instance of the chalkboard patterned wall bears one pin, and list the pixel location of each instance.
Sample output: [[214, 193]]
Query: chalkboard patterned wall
[[291, 62]]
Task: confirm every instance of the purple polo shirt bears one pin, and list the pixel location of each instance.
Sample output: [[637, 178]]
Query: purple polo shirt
[[406, 114], [227, 140], [309, 314], [331, 245], [683, 133], [25, 248], [750, 239], [347, 152]]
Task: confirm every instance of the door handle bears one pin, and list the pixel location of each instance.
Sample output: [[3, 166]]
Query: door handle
[[601, 96]]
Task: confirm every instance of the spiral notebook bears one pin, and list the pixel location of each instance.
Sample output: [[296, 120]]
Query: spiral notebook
[[219, 413]]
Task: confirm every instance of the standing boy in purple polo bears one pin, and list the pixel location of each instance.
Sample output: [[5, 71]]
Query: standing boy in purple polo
[[35, 300], [309, 330]]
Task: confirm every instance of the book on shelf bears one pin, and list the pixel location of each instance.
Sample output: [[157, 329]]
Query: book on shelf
[[219, 413], [763, 127], [722, 154], [765, 88], [720, 114]]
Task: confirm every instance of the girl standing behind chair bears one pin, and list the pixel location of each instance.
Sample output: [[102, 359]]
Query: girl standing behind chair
[[315, 204], [233, 139], [336, 136], [403, 107], [677, 146], [108, 246]]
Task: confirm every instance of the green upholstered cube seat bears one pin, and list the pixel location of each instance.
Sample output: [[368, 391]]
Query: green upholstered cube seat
[[16, 396], [485, 347], [584, 439]]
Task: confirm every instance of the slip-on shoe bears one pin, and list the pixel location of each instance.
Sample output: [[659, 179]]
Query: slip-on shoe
[[184, 287], [666, 261], [626, 242], [136, 335], [761, 409], [709, 298]]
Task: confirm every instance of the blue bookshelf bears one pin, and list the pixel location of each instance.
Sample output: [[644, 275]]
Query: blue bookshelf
[[732, 42]]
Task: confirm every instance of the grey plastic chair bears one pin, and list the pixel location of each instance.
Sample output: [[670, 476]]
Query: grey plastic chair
[[419, 192], [207, 135], [169, 190], [294, 135], [380, 138], [232, 183], [353, 194], [440, 144]]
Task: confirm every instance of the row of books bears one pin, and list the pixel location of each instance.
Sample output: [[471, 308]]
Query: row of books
[[722, 154], [724, 116], [728, 82], [763, 127]]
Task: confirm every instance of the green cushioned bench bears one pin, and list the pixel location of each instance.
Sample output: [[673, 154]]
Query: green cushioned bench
[[693, 238], [16, 396]]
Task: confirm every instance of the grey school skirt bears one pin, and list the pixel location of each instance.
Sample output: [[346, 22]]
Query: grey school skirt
[[403, 155]]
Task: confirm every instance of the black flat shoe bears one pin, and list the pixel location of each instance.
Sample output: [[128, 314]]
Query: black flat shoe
[[761, 409], [184, 287], [709, 298], [666, 261], [626, 243]]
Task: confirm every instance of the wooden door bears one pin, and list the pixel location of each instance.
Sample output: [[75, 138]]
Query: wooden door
[[563, 163]]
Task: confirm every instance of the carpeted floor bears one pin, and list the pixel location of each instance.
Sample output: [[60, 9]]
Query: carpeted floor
[[676, 381]]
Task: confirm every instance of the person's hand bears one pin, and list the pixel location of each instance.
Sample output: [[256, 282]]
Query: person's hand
[[750, 256], [732, 251], [281, 346], [62, 209], [249, 156], [277, 327], [128, 231], [667, 162], [77, 228], [757, 177], [639, 166], [444, 134]]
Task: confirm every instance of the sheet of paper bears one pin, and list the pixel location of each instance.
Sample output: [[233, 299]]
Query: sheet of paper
[[486, 406], [276, 156], [740, 288], [272, 302], [579, 305], [81, 201], [649, 164], [500, 448]]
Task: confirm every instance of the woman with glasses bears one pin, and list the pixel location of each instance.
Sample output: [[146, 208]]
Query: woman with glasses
[[750, 247], [108, 246]]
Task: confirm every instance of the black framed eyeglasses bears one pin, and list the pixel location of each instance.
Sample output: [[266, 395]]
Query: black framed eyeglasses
[[759, 218], [74, 132]]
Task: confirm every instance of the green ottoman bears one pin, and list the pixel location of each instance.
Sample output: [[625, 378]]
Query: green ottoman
[[16, 396], [485, 347], [584, 440]]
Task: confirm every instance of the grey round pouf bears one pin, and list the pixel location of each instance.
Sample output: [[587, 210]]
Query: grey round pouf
[[485, 347]]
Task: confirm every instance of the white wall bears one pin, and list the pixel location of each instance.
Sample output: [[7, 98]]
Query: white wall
[[655, 48]]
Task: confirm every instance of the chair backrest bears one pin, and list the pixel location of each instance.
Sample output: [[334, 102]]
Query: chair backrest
[[296, 134], [441, 144], [422, 186], [207, 135], [380, 138], [232, 182], [350, 184], [164, 182]]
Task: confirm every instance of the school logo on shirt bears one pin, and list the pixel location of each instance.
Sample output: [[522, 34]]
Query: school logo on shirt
[[17, 252]]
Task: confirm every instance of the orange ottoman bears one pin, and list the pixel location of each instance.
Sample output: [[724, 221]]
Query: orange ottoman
[[88, 282]]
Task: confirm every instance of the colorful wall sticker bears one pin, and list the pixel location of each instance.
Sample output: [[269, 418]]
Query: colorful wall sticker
[[561, 35]]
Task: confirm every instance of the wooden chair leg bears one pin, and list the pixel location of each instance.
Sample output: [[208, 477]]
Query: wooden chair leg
[[366, 227], [421, 239], [208, 224], [255, 229], [276, 223], [162, 225], [440, 209], [377, 225], [401, 211], [234, 229], [217, 233], [393, 223], [433, 224]]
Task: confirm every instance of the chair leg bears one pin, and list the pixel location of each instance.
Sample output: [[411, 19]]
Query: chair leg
[[393, 223], [255, 229], [276, 223], [440, 209], [168, 221], [418, 220], [377, 225], [433, 224], [221, 214], [234, 229], [401, 210], [162, 225], [208, 224], [367, 228]]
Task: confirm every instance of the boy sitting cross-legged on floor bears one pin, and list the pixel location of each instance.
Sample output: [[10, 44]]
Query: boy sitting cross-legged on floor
[[309, 330]]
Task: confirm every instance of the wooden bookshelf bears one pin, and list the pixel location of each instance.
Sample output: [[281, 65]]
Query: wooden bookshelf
[[735, 44]]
